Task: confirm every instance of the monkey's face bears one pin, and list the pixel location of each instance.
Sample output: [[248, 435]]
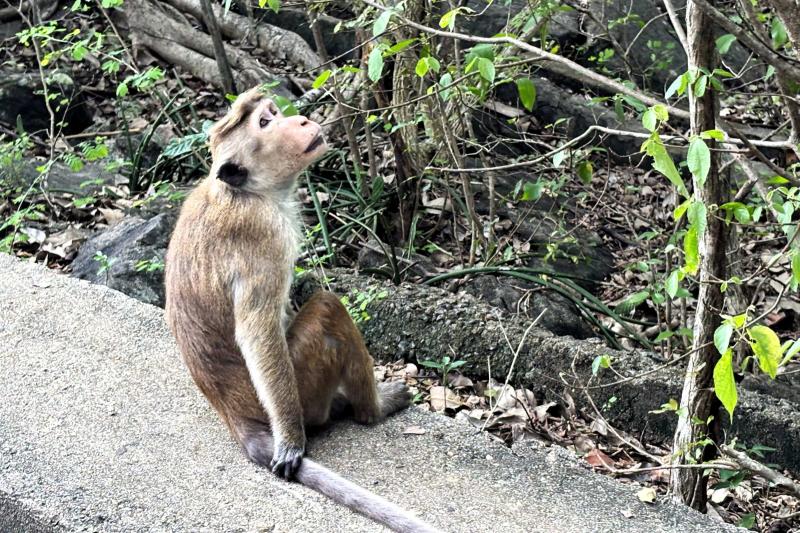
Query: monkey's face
[[257, 149]]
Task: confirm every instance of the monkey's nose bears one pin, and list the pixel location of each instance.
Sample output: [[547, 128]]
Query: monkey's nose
[[303, 121]]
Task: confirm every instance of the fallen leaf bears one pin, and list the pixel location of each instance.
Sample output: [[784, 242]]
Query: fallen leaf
[[598, 458], [443, 398], [112, 216], [540, 411], [599, 426], [647, 495], [720, 495], [458, 381], [516, 415], [584, 444]]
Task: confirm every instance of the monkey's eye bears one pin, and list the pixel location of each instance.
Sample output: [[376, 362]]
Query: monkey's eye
[[263, 122]]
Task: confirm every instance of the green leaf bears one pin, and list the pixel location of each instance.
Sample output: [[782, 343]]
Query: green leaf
[[796, 270], [672, 283], [122, 90], [631, 302], [285, 105], [274, 5], [724, 383], [698, 159], [381, 22], [691, 251], [724, 43], [791, 352], [527, 92], [767, 348], [375, 64], [531, 191], [601, 361], [700, 86], [486, 69], [666, 334], [678, 86], [400, 46], [585, 171], [321, 79], [649, 120], [448, 20], [747, 521], [713, 134], [663, 163], [697, 217], [722, 337], [778, 33], [681, 209], [422, 67]]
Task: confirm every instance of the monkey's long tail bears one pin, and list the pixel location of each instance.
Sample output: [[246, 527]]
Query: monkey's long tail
[[369, 504]]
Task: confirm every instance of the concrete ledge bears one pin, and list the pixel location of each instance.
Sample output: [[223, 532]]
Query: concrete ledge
[[101, 429]]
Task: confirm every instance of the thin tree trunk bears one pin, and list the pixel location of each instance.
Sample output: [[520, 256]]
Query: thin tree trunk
[[224, 67], [698, 399]]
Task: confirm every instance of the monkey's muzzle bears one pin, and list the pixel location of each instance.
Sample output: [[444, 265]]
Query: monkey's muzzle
[[316, 143]]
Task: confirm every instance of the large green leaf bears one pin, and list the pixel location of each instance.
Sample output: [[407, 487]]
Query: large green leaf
[[375, 64], [381, 22], [527, 92], [691, 251], [673, 283], [724, 383], [722, 337], [767, 347], [663, 163], [699, 160]]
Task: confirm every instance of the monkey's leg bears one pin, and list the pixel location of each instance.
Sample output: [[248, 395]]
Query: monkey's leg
[[324, 342]]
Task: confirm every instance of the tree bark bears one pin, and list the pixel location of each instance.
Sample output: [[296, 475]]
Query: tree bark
[[275, 41], [219, 47], [698, 399]]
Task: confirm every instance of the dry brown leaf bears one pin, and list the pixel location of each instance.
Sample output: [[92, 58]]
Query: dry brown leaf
[[584, 444], [598, 458], [111, 216], [515, 415], [540, 411], [458, 381], [442, 398]]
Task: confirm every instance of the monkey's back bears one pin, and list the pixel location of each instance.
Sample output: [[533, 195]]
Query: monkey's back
[[199, 305]]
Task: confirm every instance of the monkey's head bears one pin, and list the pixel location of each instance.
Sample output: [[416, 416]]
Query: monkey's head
[[256, 149]]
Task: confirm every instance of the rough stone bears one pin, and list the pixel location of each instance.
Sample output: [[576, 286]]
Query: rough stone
[[19, 98], [103, 430], [419, 324], [125, 244]]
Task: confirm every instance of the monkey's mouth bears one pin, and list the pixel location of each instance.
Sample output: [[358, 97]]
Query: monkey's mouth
[[316, 143]]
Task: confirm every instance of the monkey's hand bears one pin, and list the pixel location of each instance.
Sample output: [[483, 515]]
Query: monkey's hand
[[286, 459]]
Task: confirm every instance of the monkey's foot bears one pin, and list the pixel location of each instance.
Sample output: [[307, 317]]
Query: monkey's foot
[[286, 460], [394, 395]]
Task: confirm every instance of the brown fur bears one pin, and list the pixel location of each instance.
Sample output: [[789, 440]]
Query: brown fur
[[229, 268]]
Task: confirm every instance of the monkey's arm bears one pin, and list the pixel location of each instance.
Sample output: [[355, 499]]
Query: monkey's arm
[[262, 340]]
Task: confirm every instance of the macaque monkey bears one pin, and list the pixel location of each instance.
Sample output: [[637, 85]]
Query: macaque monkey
[[228, 273]]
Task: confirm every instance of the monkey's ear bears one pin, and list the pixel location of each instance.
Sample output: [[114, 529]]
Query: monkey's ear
[[232, 174]]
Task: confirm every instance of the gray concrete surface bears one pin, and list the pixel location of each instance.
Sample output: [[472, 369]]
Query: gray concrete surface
[[101, 429]]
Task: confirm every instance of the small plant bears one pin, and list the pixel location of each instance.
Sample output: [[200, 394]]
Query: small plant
[[358, 306], [444, 366], [149, 265], [104, 261]]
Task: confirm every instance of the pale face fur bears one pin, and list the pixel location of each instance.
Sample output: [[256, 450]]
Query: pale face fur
[[255, 131]]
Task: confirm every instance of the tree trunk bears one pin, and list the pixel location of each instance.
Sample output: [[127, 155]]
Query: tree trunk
[[698, 399]]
